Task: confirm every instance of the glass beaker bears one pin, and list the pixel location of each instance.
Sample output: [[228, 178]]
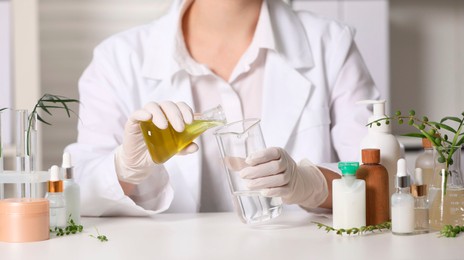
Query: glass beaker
[[447, 192], [165, 143], [236, 141]]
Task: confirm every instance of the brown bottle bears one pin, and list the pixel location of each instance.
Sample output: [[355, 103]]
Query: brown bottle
[[377, 193]]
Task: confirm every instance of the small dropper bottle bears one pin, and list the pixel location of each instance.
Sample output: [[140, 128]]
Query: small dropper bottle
[[421, 207], [71, 190], [402, 203], [56, 199]]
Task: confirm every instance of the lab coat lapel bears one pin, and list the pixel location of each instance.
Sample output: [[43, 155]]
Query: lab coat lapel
[[287, 87], [285, 95]]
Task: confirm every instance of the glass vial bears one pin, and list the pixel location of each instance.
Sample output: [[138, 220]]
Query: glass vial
[[71, 190], [425, 161], [421, 205], [349, 198], [56, 197], [402, 203]]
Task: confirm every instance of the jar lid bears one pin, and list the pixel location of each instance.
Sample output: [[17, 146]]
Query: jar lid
[[370, 155], [23, 206]]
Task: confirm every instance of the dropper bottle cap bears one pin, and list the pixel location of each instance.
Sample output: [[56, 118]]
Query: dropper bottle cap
[[419, 189], [67, 166], [55, 184], [402, 178]]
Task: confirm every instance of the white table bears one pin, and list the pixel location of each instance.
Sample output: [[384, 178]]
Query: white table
[[223, 236]]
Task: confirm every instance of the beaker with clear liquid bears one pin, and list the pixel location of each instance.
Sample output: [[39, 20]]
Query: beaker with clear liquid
[[163, 144], [236, 141]]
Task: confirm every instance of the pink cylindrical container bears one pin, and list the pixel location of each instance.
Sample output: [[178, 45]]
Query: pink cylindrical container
[[24, 220]]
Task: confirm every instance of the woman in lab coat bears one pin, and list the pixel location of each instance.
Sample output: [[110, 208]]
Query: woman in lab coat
[[300, 73]]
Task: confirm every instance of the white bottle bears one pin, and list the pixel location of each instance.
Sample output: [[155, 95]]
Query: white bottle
[[402, 203], [380, 137], [348, 198], [72, 194], [56, 198]]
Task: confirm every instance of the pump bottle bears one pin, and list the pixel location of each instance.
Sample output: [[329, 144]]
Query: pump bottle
[[71, 190], [349, 198], [377, 193], [380, 137], [56, 199], [402, 203]]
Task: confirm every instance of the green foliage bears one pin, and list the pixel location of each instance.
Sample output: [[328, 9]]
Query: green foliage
[[446, 135], [450, 231], [46, 103], [356, 231], [100, 237], [71, 228]]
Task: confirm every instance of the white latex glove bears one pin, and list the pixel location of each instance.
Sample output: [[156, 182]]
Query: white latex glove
[[275, 173], [132, 159]]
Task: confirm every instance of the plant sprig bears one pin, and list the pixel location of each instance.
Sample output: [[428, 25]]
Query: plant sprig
[[99, 236], [356, 231], [46, 103], [438, 133], [451, 231], [71, 228]]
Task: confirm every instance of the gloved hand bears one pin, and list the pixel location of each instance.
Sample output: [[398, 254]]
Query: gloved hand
[[275, 173], [132, 159]]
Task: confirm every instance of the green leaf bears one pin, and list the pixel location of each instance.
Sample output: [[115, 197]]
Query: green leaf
[[447, 127], [455, 119], [42, 120], [460, 142], [414, 135]]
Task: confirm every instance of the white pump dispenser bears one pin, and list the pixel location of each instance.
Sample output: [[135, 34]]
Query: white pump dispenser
[[380, 137]]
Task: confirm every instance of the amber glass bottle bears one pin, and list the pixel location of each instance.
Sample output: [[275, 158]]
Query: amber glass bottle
[[377, 191]]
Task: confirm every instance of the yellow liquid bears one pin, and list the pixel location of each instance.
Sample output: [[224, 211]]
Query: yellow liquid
[[165, 143], [450, 210]]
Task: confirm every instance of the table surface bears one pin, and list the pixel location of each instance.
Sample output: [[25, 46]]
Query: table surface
[[222, 236]]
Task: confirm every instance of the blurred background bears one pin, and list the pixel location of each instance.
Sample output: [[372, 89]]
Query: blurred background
[[414, 50]]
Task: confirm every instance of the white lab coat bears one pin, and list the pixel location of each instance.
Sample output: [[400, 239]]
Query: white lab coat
[[308, 109]]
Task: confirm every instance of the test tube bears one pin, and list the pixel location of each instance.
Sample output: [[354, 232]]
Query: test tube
[[21, 128], [31, 152], [2, 186]]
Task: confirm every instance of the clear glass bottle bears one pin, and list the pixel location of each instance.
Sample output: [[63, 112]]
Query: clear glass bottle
[[421, 205], [165, 143], [348, 198], [446, 195], [56, 198], [72, 194], [425, 161], [402, 203]]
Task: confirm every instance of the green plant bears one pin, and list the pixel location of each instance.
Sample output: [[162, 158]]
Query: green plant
[[46, 103], [100, 237], [356, 231], [450, 231], [445, 137], [71, 228]]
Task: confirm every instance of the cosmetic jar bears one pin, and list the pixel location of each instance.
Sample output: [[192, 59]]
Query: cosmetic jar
[[24, 220]]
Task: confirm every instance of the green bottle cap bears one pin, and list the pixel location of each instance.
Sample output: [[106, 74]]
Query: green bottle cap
[[348, 168]]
